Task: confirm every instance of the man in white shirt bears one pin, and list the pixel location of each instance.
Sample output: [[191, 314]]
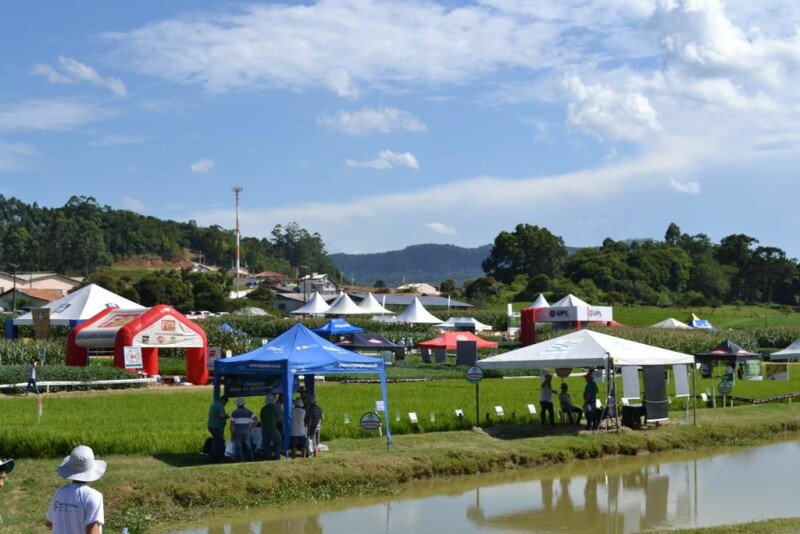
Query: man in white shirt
[[76, 507]]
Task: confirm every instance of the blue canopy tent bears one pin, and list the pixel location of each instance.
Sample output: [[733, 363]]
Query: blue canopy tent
[[337, 326], [298, 351]]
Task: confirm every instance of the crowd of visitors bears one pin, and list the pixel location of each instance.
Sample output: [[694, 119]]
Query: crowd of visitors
[[570, 413], [261, 436]]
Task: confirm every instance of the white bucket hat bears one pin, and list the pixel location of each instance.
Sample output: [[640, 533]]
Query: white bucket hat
[[80, 465]]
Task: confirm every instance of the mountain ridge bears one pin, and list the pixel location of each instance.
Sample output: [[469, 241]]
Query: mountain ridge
[[424, 263]]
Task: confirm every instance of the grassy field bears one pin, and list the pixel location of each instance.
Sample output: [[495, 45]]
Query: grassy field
[[172, 420], [150, 493]]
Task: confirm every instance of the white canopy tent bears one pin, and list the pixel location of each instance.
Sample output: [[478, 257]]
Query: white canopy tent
[[371, 305], [315, 306], [470, 323], [417, 314], [344, 305], [586, 348], [792, 352], [81, 305], [540, 302], [672, 324]]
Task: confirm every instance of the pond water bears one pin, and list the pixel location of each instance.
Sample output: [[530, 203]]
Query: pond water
[[620, 495]]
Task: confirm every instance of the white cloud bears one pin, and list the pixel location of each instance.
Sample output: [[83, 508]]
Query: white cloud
[[15, 156], [689, 188], [202, 166], [133, 204], [50, 115], [72, 71], [339, 81], [369, 120], [374, 41], [386, 160], [441, 229], [609, 114]]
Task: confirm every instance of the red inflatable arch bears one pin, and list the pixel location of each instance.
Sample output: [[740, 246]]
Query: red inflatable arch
[[152, 328]]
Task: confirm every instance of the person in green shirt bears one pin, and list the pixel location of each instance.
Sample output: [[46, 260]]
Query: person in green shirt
[[270, 435], [216, 427]]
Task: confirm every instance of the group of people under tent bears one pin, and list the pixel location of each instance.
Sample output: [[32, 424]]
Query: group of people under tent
[[572, 413], [261, 436]]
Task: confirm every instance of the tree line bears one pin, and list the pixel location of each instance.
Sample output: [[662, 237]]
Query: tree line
[[681, 270], [82, 237]]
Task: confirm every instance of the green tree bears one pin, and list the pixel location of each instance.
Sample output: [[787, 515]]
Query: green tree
[[528, 250], [447, 287], [165, 287]]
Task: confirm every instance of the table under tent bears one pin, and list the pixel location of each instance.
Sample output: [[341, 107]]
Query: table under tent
[[593, 350], [277, 366]]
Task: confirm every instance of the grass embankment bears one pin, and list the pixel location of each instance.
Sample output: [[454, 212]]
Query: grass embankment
[[150, 493]]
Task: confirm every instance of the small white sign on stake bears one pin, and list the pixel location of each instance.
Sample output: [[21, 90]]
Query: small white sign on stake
[[459, 413], [380, 406], [412, 416], [532, 409], [133, 357], [499, 411]]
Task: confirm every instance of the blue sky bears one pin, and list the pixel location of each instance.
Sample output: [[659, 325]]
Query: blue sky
[[384, 124]]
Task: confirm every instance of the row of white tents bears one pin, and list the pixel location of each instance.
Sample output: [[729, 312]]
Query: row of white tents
[[415, 313]]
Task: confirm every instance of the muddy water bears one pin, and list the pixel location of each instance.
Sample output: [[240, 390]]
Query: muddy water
[[624, 495]]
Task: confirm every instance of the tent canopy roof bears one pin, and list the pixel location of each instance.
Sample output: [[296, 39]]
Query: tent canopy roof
[[725, 351], [344, 305], [80, 305], [449, 341], [540, 302], [300, 351], [368, 341], [671, 323], [337, 326], [316, 305], [584, 348], [464, 322], [370, 305], [792, 352], [416, 313]]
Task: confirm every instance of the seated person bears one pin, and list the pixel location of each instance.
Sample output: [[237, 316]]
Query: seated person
[[574, 413]]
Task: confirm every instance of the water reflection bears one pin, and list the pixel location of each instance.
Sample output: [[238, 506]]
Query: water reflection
[[615, 496]]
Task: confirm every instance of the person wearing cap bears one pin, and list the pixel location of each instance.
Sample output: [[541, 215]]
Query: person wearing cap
[[76, 507], [242, 421], [313, 424], [299, 433], [590, 402], [574, 413], [271, 439], [216, 427], [546, 400], [6, 466]]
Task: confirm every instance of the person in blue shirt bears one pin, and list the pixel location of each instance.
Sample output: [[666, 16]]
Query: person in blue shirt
[[242, 421]]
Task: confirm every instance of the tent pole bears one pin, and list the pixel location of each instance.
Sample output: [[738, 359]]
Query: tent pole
[[386, 408], [694, 393], [288, 395]]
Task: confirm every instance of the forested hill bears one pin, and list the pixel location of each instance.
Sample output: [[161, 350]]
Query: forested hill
[[430, 263]]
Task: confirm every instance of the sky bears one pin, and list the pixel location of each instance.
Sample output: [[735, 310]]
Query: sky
[[383, 124]]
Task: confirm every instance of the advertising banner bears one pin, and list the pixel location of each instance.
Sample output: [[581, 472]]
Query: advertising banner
[[41, 323], [133, 357]]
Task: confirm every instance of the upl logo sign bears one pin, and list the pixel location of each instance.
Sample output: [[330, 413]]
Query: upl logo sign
[[559, 313]]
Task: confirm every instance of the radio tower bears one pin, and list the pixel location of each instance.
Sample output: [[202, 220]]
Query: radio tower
[[236, 190]]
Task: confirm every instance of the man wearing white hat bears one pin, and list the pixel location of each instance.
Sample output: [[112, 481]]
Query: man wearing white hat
[[76, 507]]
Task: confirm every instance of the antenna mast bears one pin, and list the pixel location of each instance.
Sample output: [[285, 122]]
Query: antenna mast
[[236, 190]]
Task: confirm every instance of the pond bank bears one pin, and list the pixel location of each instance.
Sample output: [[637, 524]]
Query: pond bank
[[152, 493]]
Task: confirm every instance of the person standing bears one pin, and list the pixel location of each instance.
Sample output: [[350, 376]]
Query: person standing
[[242, 421], [590, 403], [76, 507], [216, 427], [271, 439], [32, 378], [313, 424], [546, 400], [298, 435], [6, 466]]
